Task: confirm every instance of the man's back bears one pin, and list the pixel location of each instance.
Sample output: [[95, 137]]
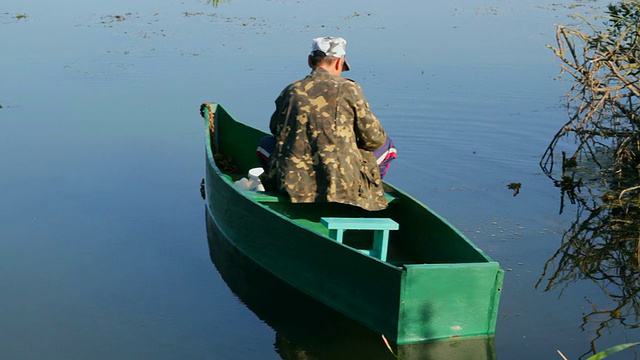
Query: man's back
[[325, 135]]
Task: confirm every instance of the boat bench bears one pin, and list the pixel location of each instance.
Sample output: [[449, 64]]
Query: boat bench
[[380, 226]]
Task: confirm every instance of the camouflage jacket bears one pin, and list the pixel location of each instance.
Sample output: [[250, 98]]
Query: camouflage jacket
[[325, 135]]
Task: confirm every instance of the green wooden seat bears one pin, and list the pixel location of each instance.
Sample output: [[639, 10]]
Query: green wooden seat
[[266, 197], [380, 226]]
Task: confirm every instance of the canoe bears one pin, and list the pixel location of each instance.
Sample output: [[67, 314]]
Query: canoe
[[403, 272]]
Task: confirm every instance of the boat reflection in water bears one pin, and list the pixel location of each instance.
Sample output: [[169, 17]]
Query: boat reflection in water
[[306, 329]]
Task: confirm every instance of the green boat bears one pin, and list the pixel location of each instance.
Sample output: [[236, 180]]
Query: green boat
[[403, 272]]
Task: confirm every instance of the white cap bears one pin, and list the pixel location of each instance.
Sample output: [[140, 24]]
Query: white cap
[[332, 46]]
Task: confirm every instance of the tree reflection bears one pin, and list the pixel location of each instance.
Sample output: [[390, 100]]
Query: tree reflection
[[601, 245]]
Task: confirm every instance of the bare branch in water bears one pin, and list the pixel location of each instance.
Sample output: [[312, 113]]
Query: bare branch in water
[[603, 243]]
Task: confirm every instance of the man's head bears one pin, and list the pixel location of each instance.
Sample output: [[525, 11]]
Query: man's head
[[329, 53]]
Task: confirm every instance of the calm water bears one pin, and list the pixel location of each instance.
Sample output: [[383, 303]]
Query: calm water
[[104, 252]]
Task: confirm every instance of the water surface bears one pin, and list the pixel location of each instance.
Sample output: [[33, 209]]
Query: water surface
[[103, 243]]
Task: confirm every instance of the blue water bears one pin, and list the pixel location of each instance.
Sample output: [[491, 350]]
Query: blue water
[[103, 244]]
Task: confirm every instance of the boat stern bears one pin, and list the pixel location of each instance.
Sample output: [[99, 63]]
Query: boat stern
[[440, 301]]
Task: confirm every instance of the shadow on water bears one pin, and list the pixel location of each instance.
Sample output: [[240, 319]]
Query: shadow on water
[[306, 329]]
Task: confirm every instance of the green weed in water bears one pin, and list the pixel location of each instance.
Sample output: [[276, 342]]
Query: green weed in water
[[215, 3], [386, 342]]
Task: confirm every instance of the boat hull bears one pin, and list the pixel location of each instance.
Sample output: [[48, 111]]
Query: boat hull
[[407, 302]]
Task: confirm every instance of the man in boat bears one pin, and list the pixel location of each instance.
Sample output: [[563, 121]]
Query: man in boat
[[327, 145]]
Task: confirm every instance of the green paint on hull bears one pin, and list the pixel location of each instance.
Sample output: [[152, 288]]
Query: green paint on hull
[[435, 283]]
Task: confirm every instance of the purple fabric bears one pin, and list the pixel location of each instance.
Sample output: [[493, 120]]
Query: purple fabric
[[385, 154], [265, 148]]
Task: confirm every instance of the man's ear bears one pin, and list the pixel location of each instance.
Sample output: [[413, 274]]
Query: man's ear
[[337, 65]]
